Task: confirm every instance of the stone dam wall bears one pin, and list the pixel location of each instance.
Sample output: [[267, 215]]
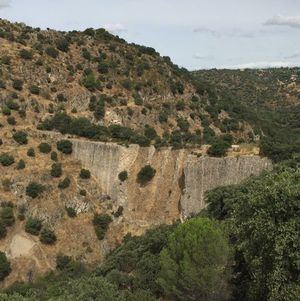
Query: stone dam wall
[[180, 183]]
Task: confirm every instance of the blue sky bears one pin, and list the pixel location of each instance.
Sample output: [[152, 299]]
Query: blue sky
[[196, 34]]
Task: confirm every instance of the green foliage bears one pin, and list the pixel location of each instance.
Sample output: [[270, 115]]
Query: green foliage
[[44, 148], [262, 216], [123, 176], [193, 264], [101, 223], [33, 226], [7, 216], [53, 156], [65, 146], [85, 174], [65, 183], [47, 236], [146, 174], [91, 83], [218, 148], [71, 212], [21, 164], [18, 84], [26, 54], [6, 159], [56, 170], [34, 189], [20, 137], [34, 90], [3, 230], [52, 52], [5, 268], [62, 44], [31, 152], [11, 120]]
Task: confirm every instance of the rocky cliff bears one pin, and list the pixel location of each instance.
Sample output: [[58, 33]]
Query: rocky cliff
[[178, 187]]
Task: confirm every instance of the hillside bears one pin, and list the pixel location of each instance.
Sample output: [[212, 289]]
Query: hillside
[[269, 100]]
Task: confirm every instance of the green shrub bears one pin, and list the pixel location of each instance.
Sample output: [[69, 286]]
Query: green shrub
[[218, 148], [47, 236], [17, 84], [56, 170], [44, 148], [85, 174], [26, 54], [11, 104], [62, 44], [31, 152], [82, 192], [180, 105], [65, 183], [33, 226], [123, 176], [21, 164], [53, 156], [146, 174], [35, 90], [34, 189], [20, 137], [11, 120], [150, 132], [71, 212], [65, 146], [7, 216], [51, 51], [3, 230], [119, 212], [6, 159], [101, 223], [6, 110], [5, 268]]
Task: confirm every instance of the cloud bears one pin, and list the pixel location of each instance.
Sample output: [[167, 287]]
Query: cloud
[[198, 56], [263, 65], [115, 28], [4, 3], [280, 20], [204, 30]]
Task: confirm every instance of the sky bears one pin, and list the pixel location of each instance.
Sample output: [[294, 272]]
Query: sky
[[196, 34]]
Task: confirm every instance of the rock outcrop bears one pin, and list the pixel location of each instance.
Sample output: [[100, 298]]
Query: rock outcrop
[[178, 187]]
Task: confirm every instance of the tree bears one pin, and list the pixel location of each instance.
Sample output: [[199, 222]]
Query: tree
[[5, 268], [34, 189], [85, 174], [263, 217], [101, 223], [56, 170], [65, 146], [33, 226], [123, 176], [21, 164], [146, 174], [218, 148], [193, 264], [45, 148], [20, 137], [6, 159], [47, 236]]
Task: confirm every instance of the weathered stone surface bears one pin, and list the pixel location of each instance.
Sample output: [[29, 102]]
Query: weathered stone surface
[[178, 187]]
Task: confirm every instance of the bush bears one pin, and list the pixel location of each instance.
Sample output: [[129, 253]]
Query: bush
[[21, 164], [12, 105], [53, 156], [56, 170], [146, 174], [35, 90], [65, 146], [31, 152], [33, 226], [7, 216], [71, 212], [82, 192], [17, 84], [20, 137], [34, 189], [6, 159], [218, 148], [6, 110], [47, 236], [123, 176], [3, 230], [101, 223], [51, 51], [44, 148], [85, 174], [62, 44], [65, 183], [5, 268], [26, 54], [11, 120]]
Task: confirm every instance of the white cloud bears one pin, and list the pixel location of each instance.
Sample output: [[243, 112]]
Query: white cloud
[[263, 65], [4, 3], [115, 28], [280, 20]]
